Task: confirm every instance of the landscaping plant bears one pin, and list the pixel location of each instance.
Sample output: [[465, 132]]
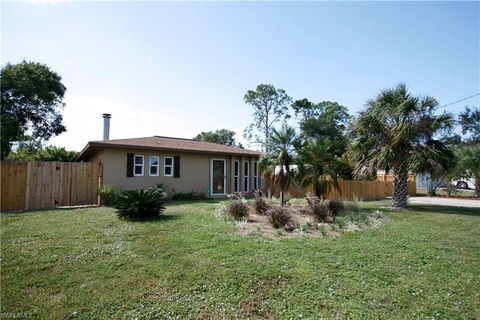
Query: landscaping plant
[[261, 206], [108, 194], [237, 209], [280, 217], [140, 204]]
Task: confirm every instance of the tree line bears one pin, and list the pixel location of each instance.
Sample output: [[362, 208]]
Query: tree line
[[395, 132], [308, 143]]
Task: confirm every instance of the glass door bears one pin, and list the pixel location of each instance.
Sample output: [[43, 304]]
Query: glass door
[[218, 176]]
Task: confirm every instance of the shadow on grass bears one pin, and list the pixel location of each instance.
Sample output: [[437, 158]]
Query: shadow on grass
[[14, 213], [160, 218], [444, 209], [175, 203]]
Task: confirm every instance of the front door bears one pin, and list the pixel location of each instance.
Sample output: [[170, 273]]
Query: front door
[[219, 176]]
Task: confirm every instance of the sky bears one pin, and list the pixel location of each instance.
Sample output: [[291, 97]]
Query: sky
[[179, 68]]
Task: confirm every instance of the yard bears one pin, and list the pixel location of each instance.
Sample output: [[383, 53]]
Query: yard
[[86, 263]]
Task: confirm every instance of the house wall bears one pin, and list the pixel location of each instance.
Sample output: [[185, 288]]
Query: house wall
[[195, 170]]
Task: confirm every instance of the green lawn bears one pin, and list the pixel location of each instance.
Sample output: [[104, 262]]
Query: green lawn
[[86, 263]]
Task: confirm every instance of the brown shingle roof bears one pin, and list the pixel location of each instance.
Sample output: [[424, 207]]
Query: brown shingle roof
[[166, 143]]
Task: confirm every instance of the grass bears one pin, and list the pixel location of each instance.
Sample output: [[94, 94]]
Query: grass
[[86, 263]]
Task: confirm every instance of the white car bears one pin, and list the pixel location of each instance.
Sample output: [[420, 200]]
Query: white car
[[464, 183]]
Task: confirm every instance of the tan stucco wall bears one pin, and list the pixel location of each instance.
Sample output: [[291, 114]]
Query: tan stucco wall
[[195, 170]]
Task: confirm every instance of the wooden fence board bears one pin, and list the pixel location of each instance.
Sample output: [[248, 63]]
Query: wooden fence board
[[353, 189], [42, 185]]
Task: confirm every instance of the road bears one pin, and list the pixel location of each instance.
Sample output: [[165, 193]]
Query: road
[[469, 203]]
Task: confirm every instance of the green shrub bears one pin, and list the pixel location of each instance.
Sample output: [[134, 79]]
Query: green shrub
[[261, 206], [237, 209], [335, 207], [108, 194], [140, 204], [280, 217], [183, 195]]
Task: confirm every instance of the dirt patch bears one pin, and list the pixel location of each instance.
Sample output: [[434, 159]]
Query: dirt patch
[[306, 226]]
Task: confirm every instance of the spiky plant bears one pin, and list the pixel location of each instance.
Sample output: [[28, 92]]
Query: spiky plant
[[140, 204], [391, 131]]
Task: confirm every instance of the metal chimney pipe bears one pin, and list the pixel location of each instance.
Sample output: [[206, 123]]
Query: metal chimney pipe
[[106, 126]]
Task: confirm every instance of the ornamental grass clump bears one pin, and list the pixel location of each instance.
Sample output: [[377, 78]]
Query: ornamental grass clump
[[140, 204], [237, 209], [320, 211], [261, 205], [280, 217]]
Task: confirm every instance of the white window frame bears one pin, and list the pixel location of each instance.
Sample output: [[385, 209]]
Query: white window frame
[[236, 177], [150, 166], [137, 165], [167, 166], [255, 175], [246, 177]]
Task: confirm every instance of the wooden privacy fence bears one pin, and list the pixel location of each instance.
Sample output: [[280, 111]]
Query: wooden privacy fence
[[354, 190], [42, 185]]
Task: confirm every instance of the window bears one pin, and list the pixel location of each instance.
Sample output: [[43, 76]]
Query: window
[[236, 172], [154, 163], [255, 175], [138, 165], [246, 178], [168, 167]]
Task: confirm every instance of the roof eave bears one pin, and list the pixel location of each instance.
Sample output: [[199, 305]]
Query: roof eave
[[93, 144]]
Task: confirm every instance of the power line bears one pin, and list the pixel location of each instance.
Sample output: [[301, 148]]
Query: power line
[[449, 104]]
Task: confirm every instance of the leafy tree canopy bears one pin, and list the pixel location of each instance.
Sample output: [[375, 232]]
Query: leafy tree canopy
[[33, 150], [327, 121], [221, 136], [270, 105], [468, 164], [469, 120], [31, 99]]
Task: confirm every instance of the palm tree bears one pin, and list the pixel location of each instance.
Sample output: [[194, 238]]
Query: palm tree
[[394, 127], [318, 167], [280, 155]]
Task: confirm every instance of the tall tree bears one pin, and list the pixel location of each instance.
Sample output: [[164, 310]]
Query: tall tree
[[327, 121], [393, 128], [270, 105], [221, 136], [281, 155], [31, 99], [321, 159], [469, 120]]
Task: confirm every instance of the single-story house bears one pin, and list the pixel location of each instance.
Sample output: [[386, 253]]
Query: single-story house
[[184, 165]]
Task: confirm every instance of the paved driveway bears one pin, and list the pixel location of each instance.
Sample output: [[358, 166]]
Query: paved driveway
[[445, 201]]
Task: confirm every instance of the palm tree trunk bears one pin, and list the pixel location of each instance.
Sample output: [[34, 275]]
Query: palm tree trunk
[[477, 187], [400, 186]]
